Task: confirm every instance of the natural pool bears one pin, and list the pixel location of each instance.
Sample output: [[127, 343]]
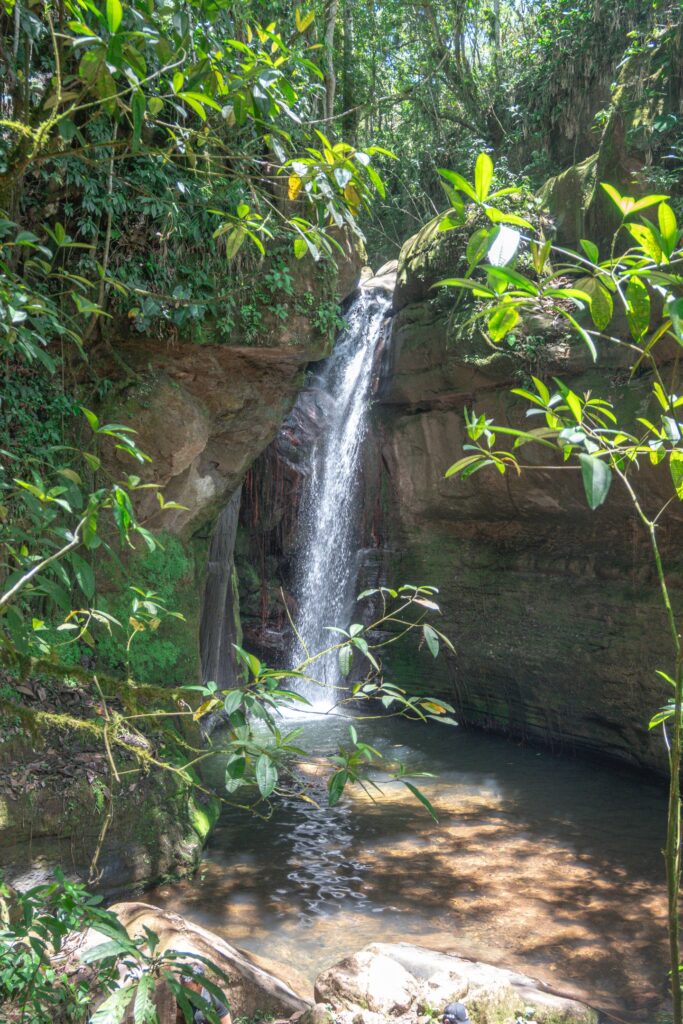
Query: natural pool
[[539, 862]]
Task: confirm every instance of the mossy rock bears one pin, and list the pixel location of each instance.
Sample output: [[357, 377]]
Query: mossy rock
[[567, 197], [429, 256]]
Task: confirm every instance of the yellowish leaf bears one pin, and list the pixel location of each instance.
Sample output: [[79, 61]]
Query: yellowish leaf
[[204, 708], [304, 20]]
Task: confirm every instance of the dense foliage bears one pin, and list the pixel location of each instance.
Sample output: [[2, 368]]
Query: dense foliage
[[165, 168]]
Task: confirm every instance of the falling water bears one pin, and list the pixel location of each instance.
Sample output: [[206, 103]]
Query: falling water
[[327, 549]]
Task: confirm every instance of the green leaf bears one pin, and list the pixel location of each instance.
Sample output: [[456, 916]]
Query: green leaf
[[145, 1010], [112, 1010], [431, 639], [85, 577], [376, 180], [483, 176], [674, 308], [467, 283], [232, 701], [597, 477], [637, 308], [114, 15], [422, 798], [662, 716], [266, 775], [676, 467], [451, 221], [345, 656], [195, 104], [477, 247], [106, 950], [668, 227], [642, 204], [235, 767], [335, 787], [138, 105], [601, 304], [502, 322], [459, 182], [233, 242], [614, 195], [590, 249], [645, 237], [300, 248], [500, 217], [92, 419], [461, 464]]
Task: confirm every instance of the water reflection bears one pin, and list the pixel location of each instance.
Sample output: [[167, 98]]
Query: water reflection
[[538, 862]]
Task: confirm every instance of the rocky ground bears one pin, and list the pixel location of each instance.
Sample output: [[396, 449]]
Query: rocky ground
[[381, 984]]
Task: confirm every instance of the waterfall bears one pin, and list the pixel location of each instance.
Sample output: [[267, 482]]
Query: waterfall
[[327, 548]]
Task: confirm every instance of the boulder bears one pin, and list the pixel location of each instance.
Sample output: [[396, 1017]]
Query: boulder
[[384, 280], [319, 1013], [254, 987], [369, 980], [396, 978]]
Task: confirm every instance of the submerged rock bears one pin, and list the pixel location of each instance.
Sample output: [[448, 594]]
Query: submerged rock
[[400, 980]]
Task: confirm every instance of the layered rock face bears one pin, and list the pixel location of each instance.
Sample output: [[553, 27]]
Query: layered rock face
[[554, 609]]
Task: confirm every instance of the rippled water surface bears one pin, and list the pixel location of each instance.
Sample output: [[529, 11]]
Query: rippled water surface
[[540, 863]]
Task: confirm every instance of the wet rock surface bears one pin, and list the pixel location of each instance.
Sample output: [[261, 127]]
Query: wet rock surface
[[400, 981], [553, 609]]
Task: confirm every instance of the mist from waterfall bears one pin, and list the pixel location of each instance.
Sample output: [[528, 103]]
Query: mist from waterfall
[[327, 551]]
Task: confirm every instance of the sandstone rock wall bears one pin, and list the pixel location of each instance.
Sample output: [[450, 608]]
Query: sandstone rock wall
[[553, 609]]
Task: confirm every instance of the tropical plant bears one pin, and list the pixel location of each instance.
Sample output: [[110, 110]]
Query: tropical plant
[[38, 934], [641, 279]]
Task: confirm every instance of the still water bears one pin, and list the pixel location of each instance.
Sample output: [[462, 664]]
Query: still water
[[540, 863]]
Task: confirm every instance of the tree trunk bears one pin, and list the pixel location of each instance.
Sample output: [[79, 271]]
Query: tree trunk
[[350, 119], [330, 76]]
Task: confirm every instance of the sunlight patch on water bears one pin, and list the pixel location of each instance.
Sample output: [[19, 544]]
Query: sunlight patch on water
[[539, 863]]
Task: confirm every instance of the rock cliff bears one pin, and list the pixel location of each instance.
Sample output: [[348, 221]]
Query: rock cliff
[[553, 609]]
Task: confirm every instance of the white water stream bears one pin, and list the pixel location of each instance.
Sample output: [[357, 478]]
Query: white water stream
[[328, 550]]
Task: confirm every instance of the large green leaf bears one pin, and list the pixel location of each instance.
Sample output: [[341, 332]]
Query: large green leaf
[[483, 176], [676, 467], [422, 798], [335, 786], [266, 775], [431, 639], [637, 308], [85, 577], [112, 1010], [345, 656], [502, 322], [601, 304], [459, 182], [145, 1010], [138, 104], [114, 15], [597, 478], [668, 227]]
